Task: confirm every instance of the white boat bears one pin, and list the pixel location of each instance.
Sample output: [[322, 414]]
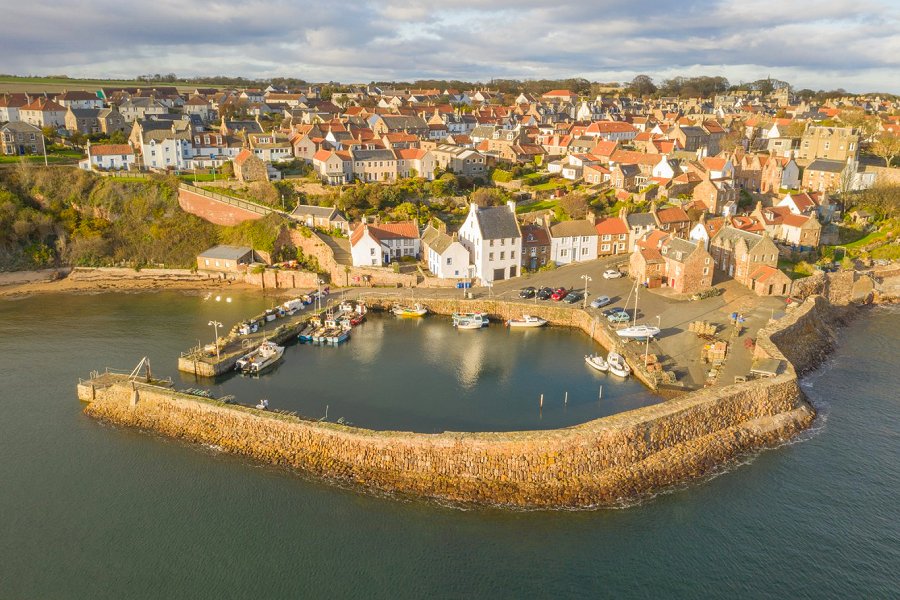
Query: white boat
[[597, 362], [416, 310], [639, 332], [527, 321], [263, 404], [617, 364], [260, 359], [476, 321]]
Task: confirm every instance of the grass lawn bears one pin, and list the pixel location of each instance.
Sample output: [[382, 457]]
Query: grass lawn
[[550, 185], [202, 177], [866, 240], [543, 205], [39, 158]]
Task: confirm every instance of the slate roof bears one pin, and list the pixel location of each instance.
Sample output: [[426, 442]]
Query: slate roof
[[497, 222], [581, 227], [645, 220], [678, 249], [823, 164], [327, 212], [226, 252]]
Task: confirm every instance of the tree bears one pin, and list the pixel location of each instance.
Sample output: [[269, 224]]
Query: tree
[[574, 204], [865, 124], [887, 147], [642, 85], [487, 196]]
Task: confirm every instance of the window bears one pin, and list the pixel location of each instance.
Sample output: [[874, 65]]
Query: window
[[605, 247], [563, 252], [449, 260], [206, 261], [490, 256], [371, 251], [512, 254], [503, 256], [492, 243]]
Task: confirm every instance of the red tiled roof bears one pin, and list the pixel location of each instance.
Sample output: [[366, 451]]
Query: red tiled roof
[[242, 156], [609, 127], [795, 220], [673, 214], [111, 149], [611, 226], [763, 272]]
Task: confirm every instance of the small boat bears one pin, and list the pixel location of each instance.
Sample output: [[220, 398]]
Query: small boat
[[617, 364], [357, 320], [597, 362], [260, 359], [416, 310], [345, 307], [457, 316], [639, 332], [476, 321], [270, 315], [527, 321], [263, 404]]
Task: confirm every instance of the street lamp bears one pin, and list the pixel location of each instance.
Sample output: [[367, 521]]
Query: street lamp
[[215, 325], [587, 279]]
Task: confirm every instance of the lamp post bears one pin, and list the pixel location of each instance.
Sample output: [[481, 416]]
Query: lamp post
[[215, 325], [587, 279]]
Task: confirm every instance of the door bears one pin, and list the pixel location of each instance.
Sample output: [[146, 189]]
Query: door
[[533, 263], [499, 274]]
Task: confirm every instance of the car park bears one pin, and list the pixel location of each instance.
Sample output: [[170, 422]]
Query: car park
[[527, 292], [611, 274], [559, 294], [600, 301]]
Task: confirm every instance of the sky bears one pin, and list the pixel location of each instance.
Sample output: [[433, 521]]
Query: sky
[[817, 44]]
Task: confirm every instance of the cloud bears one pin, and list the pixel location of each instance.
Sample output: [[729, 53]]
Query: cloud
[[853, 44]]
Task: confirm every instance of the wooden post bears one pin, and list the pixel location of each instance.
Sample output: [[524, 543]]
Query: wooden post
[[542, 401], [566, 401]]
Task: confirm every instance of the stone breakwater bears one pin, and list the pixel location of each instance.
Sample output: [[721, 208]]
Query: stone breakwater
[[599, 463]]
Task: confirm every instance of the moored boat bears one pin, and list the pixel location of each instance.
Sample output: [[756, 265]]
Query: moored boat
[[416, 310], [617, 364], [260, 359], [527, 321], [476, 321], [638, 332], [597, 362]]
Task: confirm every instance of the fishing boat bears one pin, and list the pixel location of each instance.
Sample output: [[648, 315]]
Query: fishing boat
[[260, 359], [617, 364], [527, 321], [457, 316], [476, 321], [270, 314], [416, 310], [597, 362], [359, 318], [639, 332]]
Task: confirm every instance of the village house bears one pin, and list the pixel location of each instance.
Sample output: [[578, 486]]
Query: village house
[[108, 157], [494, 241], [824, 175], [18, 138], [446, 257], [334, 167], [378, 245], [415, 162], [830, 143], [672, 220], [573, 241], [322, 217], [249, 167], [535, 246], [739, 254], [461, 161], [800, 231], [42, 112], [612, 236], [226, 259], [779, 173], [10, 105], [78, 99]]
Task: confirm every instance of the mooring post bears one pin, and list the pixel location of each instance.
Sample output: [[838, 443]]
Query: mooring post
[[542, 401], [601, 392], [566, 401]]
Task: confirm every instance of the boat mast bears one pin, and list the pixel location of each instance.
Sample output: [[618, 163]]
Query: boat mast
[[637, 292]]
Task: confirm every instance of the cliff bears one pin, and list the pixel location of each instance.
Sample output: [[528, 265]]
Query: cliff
[[599, 463]]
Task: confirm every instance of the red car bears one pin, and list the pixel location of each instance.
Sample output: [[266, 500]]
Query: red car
[[559, 294]]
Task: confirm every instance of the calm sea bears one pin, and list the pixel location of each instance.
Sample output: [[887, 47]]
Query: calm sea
[[93, 511]]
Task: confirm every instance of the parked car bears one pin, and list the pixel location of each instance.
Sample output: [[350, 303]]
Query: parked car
[[611, 274], [573, 297], [544, 293], [618, 316], [527, 292], [559, 294], [600, 301]]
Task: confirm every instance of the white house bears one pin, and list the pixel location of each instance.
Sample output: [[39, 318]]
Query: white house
[[573, 241], [447, 258], [108, 157], [378, 245], [494, 240]]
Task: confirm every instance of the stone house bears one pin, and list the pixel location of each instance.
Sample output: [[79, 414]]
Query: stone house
[[688, 266], [829, 143], [778, 173], [672, 220], [739, 254], [18, 138], [824, 175], [769, 281], [536, 246], [612, 236], [249, 167], [83, 120], [323, 217], [334, 167], [647, 267], [715, 194], [226, 259]]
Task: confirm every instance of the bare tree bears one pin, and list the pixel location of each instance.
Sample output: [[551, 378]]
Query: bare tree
[[887, 147]]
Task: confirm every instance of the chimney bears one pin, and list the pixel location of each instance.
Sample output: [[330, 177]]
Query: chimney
[[511, 204], [653, 207], [545, 219], [455, 236], [758, 206], [591, 217]]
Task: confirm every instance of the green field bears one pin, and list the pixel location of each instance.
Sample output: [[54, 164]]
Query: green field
[[47, 84], [544, 205]]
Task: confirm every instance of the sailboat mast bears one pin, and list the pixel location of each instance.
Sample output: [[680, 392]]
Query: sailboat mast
[[637, 293]]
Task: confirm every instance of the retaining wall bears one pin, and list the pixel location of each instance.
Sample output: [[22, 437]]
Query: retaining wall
[[602, 462]]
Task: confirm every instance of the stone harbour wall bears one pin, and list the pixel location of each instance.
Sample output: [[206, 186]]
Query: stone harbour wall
[[599, 463]]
